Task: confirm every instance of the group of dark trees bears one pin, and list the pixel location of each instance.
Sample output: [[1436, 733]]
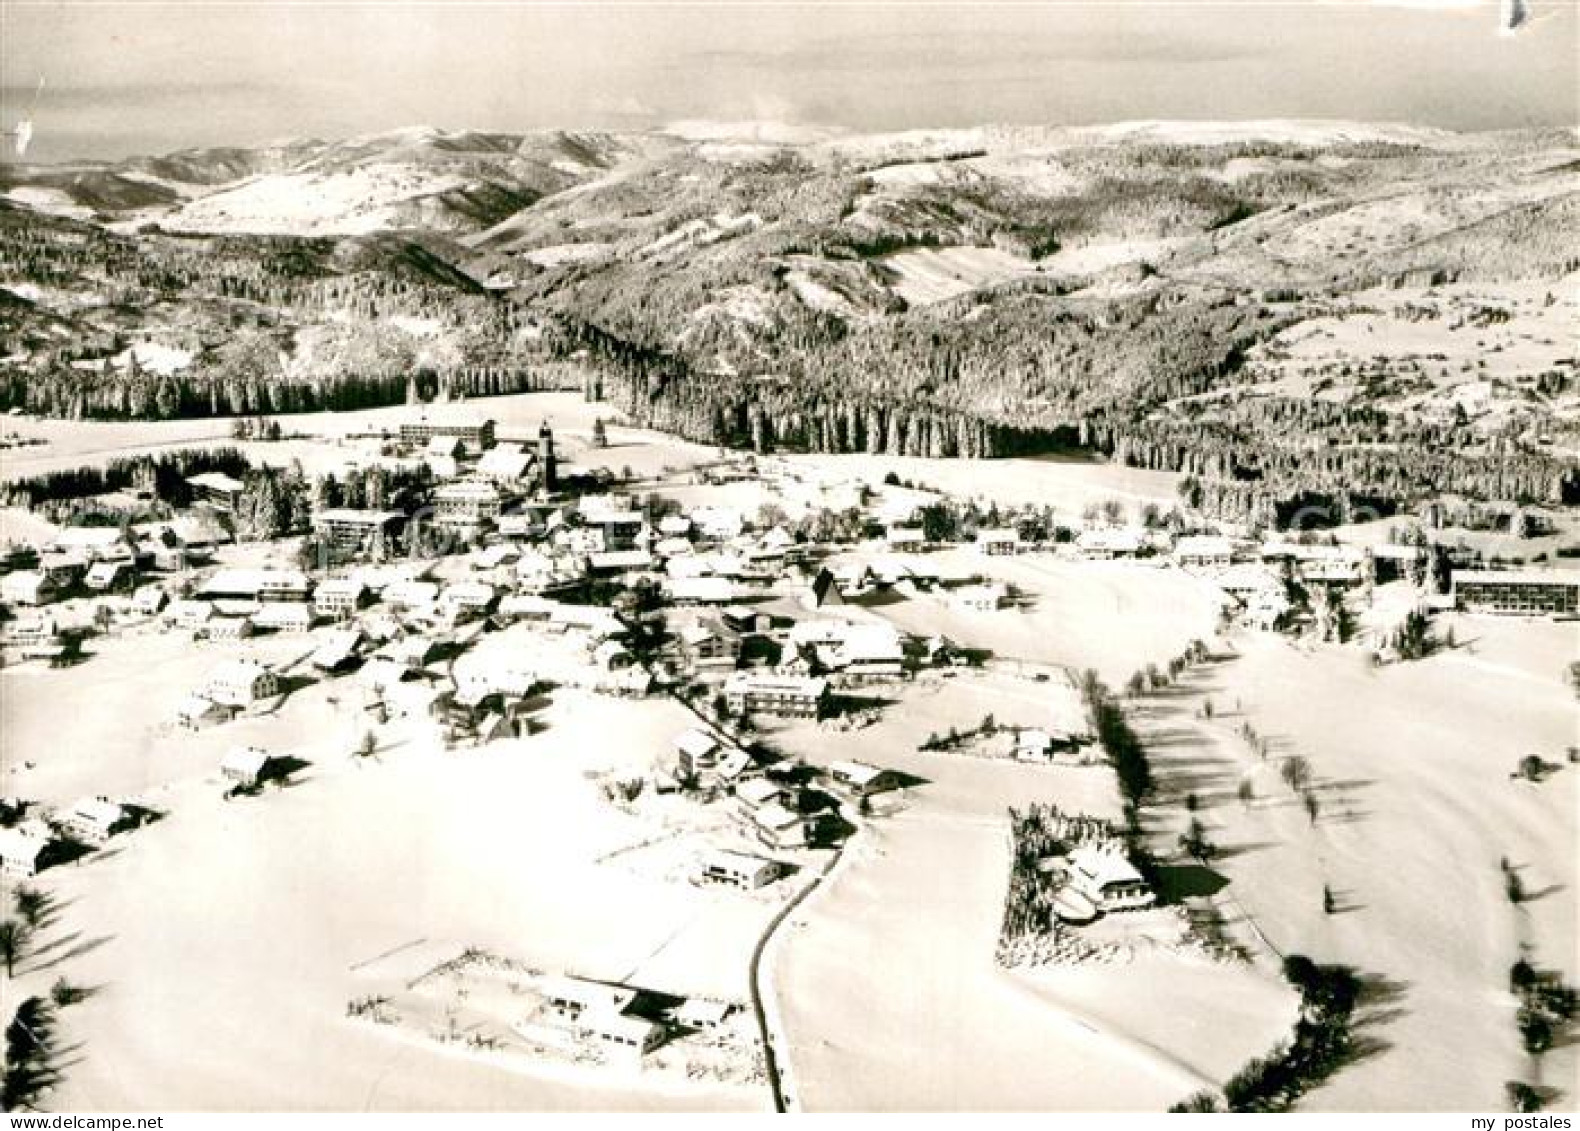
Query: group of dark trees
[[1321, 1044], [1546, 1014], [1119, 742], [1038, 834], [163, 477]]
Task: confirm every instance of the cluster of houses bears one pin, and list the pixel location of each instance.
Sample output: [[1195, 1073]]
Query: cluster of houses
[[622, 1023], [781, 808], [33, 843]]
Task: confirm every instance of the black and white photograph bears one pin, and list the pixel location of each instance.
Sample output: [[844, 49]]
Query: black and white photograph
[[789, 556]]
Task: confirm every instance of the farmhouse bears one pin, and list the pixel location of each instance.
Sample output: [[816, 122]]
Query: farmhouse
[[998, 541], [859, 779], [906, 539], [754, 793], [721, 523], [336, 649], [338, 598], [738, 870], [620, 1034], [228, 627], [802, 697], [1530, 592], [506, 465], [28, 587], [711, 644], [1105, 544], [466, 597], [21, 850], [284, 616], [190, 614], [858, 652], [704, 1015], [1247, 579], [601, 1015], [540, 572], [149, 600], [109, 577], [410, 595], [244, 765], [1204, 551], [196, 710], [94, 820], [780, 827], [1038, 745], [240, 683], [1103, 875], [611, 562], [94, 543], [621, 528]]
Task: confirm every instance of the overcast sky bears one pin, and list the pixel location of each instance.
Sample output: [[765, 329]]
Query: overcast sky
[[146, 76]]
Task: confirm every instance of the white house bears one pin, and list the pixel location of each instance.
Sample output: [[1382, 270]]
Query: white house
[[861, 779], [1104, 544], [149, 600], [94, 820], [780, 827], [622, 1035], [240, 684], [28, 587], [336, 648], [696, 749], [338, 597], [190, 614], [283, 616], [754, 793], [410, 595], [1204, 551], [997, 541], [906, 539], [244, 765], [786, 696], [738, 870], [1104, 875], [466, 597], [22, 848]]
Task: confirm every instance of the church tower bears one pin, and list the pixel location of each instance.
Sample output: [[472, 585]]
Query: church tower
[[546, 477]]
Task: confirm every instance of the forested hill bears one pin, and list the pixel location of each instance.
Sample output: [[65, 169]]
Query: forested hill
[[1361, 313]]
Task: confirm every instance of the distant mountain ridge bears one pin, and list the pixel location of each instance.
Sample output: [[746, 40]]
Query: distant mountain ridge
[[1162, 291]]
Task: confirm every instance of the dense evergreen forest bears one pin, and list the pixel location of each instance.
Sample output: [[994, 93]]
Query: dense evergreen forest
[[763, 304]]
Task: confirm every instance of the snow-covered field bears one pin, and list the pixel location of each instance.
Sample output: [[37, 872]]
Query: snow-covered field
[[887, 978], [1068, 485], [221, 940], [77, 443], [932, 275], [1411, 765], [353, 202], [1114, 617]]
